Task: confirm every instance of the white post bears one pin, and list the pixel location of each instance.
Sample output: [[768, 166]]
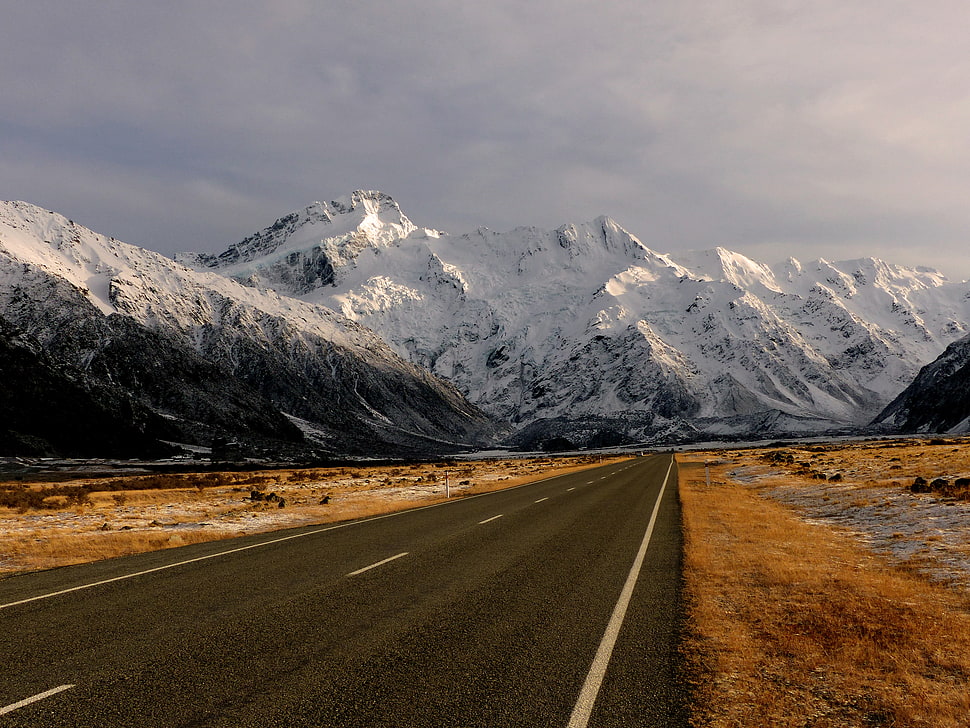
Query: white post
[[447, 486]]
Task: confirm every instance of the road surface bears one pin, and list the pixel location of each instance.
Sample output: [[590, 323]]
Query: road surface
[[551, 604]]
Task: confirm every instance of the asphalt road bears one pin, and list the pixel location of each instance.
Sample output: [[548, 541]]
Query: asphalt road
[[494, 610]]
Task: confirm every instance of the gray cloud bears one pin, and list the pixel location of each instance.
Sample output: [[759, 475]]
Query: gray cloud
[[775, 128]]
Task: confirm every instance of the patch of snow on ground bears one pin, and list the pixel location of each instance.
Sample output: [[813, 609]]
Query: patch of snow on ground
[[926, 531]]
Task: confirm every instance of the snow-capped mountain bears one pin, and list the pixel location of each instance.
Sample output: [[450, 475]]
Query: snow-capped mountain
[[938, 400], [196, 354], [585, 332]]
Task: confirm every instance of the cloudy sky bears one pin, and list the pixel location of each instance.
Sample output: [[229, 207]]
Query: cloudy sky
[[833, 128]]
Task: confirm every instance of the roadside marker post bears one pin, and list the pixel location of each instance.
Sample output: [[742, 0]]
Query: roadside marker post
[[707, 472], [447, 486]]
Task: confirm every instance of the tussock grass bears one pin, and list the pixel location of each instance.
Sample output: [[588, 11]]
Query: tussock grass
[[794, 623]]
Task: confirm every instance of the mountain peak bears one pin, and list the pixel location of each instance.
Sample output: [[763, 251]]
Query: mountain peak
[[28, 216], [335, 230], [373, 202]]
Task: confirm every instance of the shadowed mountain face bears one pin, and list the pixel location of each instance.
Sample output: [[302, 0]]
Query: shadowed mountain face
[[583, 333], [198, 356], [938, 400], [45, 411], [102, 386]]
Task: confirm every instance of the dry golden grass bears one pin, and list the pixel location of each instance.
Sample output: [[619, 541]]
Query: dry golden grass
[[880, 463], [42, 550], [794, 623], [131, 514]]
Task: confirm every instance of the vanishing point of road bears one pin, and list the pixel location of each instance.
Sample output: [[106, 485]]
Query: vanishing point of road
[[550, 604]]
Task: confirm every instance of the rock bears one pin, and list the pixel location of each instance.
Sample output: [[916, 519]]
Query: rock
[[920, 485]]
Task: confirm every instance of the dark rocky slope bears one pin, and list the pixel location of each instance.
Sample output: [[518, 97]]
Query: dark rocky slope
[[938, 400]]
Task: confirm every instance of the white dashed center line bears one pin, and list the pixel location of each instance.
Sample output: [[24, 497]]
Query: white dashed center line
[[304, 534], [488, 520], [34, 698], [541, 499], [379, 563]]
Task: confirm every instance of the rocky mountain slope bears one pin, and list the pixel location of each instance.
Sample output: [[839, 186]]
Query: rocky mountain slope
[[45, 411], [938, 400], [586, 333], [208, 357]]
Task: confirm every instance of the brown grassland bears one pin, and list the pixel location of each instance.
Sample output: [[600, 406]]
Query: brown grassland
[[798, 621]]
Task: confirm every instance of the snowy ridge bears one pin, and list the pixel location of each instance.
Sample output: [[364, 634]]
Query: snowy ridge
[[151, 288], [586, 321], [582, 332]]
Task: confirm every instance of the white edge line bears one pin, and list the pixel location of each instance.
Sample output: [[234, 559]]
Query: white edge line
[[489, 520], [379, 563], [597, 671], [34, 698], [276, 540]]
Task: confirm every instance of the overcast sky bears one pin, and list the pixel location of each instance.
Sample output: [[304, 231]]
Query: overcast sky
[[832, 128]]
